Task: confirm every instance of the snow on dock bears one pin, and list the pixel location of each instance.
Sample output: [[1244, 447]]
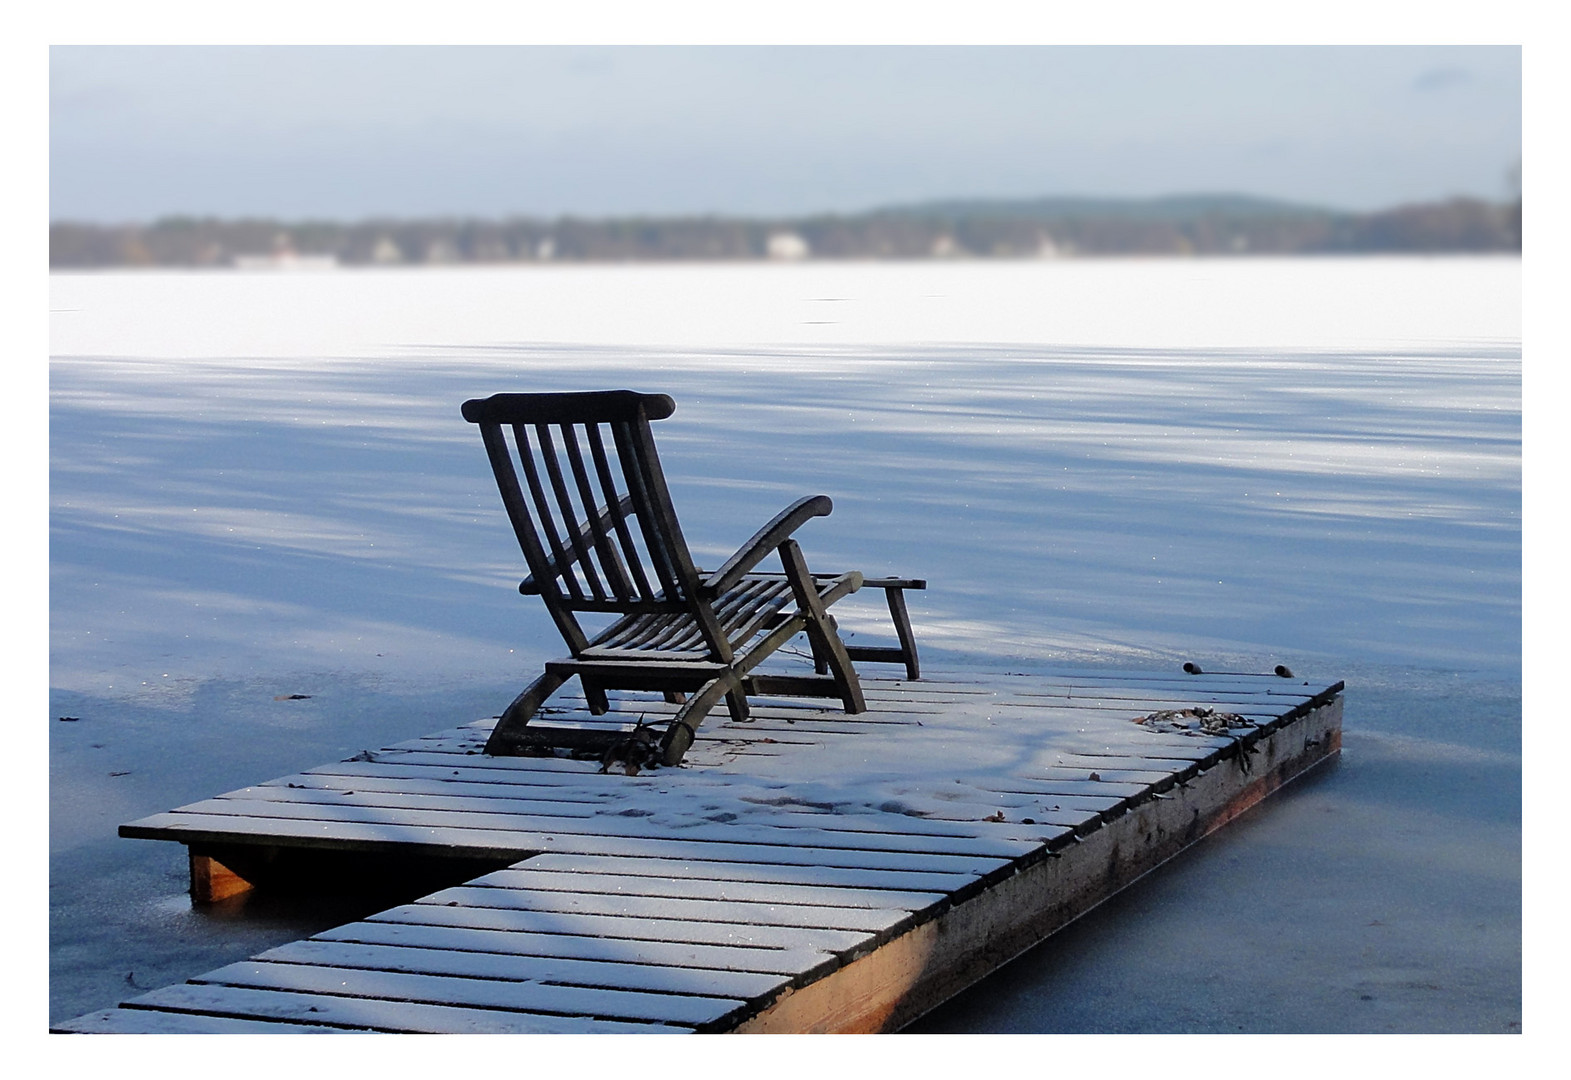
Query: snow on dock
[[806, 871]]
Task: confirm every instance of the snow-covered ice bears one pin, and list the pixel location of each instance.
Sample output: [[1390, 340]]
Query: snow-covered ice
[[261, 486]]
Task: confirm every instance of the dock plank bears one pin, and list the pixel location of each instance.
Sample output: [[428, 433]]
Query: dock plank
[[376, 1015], [569, 971], [818, 831], [504, 936], [353, 834], [126, 1021], [346, 802], [527, 875], [611, 927], [515, 995], [525, 896], [808, 874]]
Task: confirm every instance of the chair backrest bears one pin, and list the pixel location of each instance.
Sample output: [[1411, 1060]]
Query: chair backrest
[[592, 511]]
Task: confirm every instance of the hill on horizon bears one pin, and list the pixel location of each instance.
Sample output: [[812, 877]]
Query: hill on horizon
[[1070, 207]]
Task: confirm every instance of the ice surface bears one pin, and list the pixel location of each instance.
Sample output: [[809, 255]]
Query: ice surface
[[261, 486]]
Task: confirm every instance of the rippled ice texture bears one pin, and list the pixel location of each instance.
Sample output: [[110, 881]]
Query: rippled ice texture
[[261, 485]]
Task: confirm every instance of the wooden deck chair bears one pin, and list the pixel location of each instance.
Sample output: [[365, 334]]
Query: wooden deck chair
[[582, 486]]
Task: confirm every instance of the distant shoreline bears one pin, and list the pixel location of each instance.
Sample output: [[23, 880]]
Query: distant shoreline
[[331, 267], [960, 230]]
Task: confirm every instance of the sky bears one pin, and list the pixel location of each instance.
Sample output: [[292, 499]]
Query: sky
[[139, 132]]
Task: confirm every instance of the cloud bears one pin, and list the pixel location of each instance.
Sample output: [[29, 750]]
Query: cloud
[[1441, 78]]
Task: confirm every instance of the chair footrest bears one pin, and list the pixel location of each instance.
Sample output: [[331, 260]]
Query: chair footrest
[[538, 737], [633, 676], [867, 582], [877, 654], [894, 583], [792, 685]]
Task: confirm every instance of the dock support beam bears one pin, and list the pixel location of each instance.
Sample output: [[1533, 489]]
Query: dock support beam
[[212, 881]]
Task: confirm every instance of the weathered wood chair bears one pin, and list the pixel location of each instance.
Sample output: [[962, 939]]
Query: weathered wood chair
[[598, 531]]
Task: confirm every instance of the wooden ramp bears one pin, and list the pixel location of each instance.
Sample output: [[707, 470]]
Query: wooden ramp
[[806, 871]]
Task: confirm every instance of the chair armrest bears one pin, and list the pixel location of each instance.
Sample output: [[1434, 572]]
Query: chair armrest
[[766, 540]]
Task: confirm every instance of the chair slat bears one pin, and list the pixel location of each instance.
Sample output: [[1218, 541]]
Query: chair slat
[[748, 616], [611, 569], [656, 631], [648, 524], [528, 539], [647, 461], [690, 635], [559, 553], [744, 608], [633, 561], [678, 634], [564, 502]]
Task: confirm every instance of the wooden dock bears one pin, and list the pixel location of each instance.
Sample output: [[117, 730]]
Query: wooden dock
[[806, 871]]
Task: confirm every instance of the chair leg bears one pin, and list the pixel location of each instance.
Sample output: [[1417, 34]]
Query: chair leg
[[517, 715], [679, 736], [594, 694], [820, 628], [902, 620], [820, 660], [736, 705]]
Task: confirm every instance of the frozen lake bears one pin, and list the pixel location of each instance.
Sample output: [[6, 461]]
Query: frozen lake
[[261, 486]]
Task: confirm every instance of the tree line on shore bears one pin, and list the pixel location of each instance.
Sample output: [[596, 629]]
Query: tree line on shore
[[1193, 225]]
